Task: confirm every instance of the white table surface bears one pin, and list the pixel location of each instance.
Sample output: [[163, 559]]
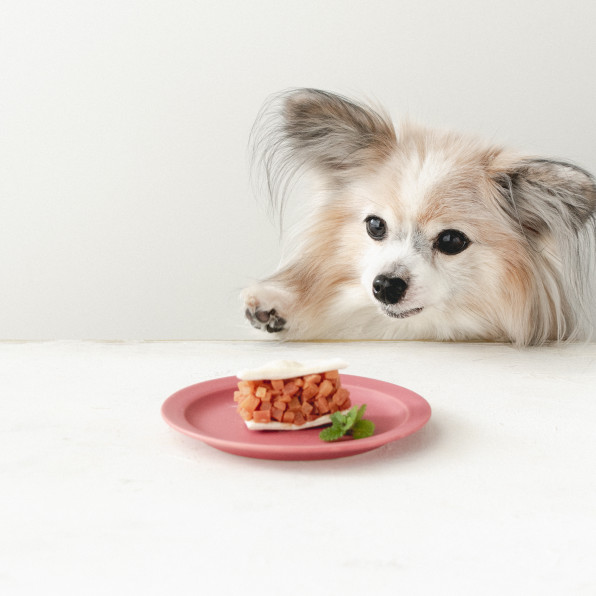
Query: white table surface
[[495, 495]]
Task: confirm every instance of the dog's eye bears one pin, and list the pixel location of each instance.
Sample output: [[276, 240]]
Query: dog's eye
[[376, 227], [451, 242]]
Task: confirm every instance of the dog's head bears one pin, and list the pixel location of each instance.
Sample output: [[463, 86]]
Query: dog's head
[[444, 233]]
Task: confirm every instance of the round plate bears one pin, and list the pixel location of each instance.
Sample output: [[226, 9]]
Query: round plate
[[207, 411]]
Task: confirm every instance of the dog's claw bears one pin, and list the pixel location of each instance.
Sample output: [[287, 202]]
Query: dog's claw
[[266, 320]]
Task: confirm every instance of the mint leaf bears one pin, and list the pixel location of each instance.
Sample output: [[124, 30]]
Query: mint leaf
[[338, 419], [351, 417], [360, 412], [350, 423], [332, 433], [363, 429]]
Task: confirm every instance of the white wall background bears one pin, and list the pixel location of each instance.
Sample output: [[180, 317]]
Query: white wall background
[[125, 205]]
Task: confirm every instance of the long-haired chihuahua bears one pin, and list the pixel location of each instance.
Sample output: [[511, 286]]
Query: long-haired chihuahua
[[412, 233]]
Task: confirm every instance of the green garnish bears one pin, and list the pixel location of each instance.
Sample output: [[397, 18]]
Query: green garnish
[[350, 423]]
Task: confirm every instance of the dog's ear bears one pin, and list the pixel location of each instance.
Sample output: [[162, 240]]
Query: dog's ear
[[334, 133], [546, 196], [553, 204], [320, 131]]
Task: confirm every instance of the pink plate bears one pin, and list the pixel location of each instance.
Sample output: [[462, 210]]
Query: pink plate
[[207, 411]]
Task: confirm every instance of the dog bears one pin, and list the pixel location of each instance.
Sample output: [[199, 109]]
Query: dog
[[414, 233]]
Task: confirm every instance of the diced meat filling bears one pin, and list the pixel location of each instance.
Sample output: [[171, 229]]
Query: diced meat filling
[[295, 401]]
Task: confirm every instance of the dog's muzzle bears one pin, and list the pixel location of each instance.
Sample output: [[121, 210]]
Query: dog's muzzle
[[389, 290]]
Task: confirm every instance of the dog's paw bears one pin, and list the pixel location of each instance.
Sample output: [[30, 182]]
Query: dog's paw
[[265, 320], [261, 313]]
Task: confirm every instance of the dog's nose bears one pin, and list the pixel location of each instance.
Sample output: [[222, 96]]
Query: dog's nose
[[389, 290]]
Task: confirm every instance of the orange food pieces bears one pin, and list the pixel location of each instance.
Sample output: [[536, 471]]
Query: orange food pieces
[[322, 405], [299, 418], [325, 388], [306, 408], [341, 396], [288, 417], [246, 387], [250, 403], [262, 416], [293, 401], [290, 388], [277, 384], [276, 414], [309, 392], [280, 405], [312, 379]]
